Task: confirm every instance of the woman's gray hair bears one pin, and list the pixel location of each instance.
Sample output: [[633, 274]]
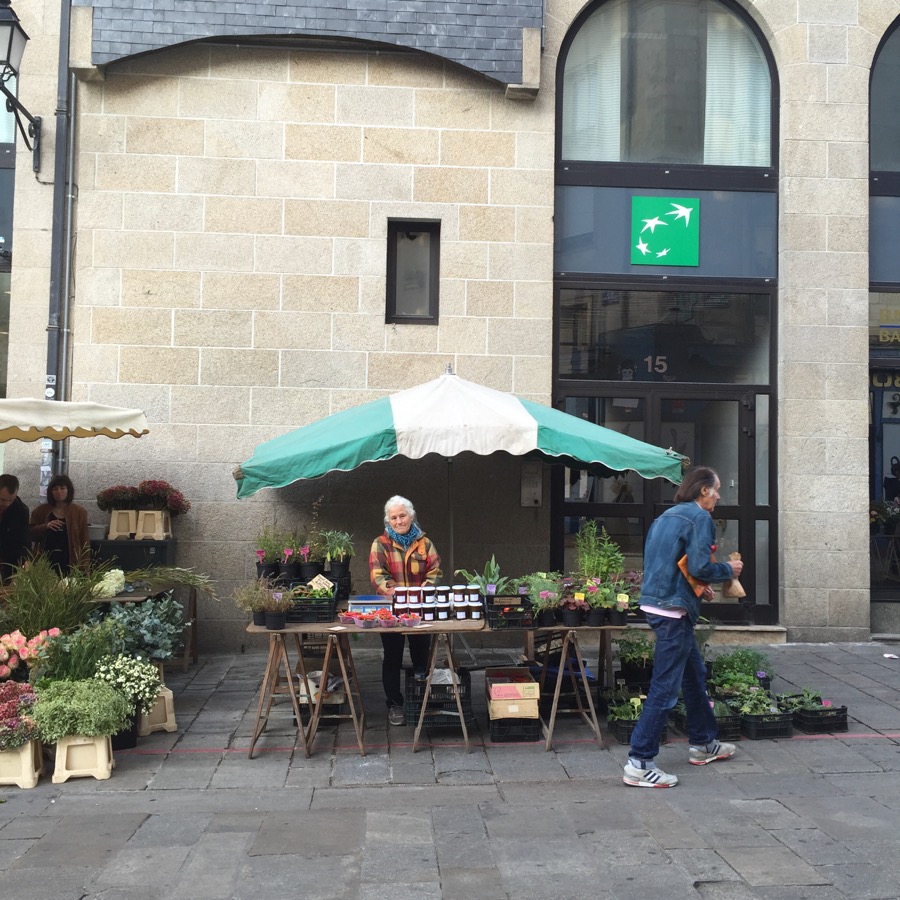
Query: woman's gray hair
[[397, 500]]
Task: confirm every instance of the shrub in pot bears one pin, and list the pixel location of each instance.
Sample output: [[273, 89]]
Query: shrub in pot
[[252, 597]]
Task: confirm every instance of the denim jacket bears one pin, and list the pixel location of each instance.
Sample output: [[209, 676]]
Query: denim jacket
[[686, 528]]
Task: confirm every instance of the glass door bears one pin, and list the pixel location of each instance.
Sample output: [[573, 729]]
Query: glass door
[[725, 428]]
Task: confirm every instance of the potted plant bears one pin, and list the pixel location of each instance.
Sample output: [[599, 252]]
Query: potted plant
[[744, 661], [153, 628], [573, 607], [269, 551], [251, 597], [338, 547], [635, 657], [761, 716], [139, 681], [289, 563], [608, 590], [622, 717], [276, 608], [544, 590], [79, 717], [811, 714], [20, 749]]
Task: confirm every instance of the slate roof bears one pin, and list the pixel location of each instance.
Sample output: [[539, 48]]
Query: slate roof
[[483, 36]]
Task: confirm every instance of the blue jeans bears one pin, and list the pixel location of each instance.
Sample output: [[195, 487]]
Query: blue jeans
[[677, 664]]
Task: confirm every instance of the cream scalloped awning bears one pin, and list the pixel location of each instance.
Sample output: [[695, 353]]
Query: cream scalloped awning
[[31, 420]]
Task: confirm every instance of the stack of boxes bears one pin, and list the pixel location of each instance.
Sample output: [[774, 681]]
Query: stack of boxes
[[512, 702]]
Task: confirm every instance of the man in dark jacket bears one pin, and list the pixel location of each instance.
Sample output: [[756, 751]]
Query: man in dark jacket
[[13, 527]]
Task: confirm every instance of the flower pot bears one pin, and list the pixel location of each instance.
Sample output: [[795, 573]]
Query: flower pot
[[267, 570], [340, 568], [571, 618], [82, 757], [309, 570], [596, 617], [288, 572], [618, 617], [161, 717], [22, 766], [259, 617], [126, 739], [546, 618], [275, 621]]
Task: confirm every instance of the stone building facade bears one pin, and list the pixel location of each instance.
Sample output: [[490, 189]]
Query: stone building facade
[[234, 179]]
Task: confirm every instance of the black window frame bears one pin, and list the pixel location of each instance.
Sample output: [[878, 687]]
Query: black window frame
[[395, 228]]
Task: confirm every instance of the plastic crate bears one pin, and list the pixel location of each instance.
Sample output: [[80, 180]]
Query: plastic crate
[[821, 721], [515, 731], [441, 711], [510, 621], [768, 725], [729, 727], [323, 611], [621, 730]]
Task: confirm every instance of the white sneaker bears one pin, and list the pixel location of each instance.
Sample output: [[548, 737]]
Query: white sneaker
[[652, 778], [700, 756]]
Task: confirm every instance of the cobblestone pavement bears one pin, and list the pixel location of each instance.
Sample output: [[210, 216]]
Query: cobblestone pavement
[[188, 815]]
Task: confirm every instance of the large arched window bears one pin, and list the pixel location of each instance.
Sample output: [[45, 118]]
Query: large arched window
[[666, 81]]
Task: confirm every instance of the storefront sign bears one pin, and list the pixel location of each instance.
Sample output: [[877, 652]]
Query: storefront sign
[[665, 231]]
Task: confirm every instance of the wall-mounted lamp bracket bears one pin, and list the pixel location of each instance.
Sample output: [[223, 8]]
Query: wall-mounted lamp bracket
[[33, 131]]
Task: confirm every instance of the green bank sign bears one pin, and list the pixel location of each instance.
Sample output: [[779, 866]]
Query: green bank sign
[[665, 231]]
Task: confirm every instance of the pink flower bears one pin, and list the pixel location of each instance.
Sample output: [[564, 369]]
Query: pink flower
[[260, 555], [288, 553], [5, 671], [826, 703], [54, 632], [13, 661]]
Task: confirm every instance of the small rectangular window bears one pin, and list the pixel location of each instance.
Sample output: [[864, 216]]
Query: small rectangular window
[[413, 271]]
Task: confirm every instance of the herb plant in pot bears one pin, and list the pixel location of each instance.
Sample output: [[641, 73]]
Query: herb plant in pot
[[139, 681], [338, 547], [635, 657], [290, 565], [573, 608], [276, 609], [269, 550], [544, 591], [252, 596]]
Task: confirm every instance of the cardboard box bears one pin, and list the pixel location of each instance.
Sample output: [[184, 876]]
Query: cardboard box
[[511, 693]]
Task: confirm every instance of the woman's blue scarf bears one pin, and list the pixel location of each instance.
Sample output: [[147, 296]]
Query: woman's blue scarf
[[405, 540]]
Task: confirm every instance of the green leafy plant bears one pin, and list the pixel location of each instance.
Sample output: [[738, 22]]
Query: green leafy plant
[[635, 648], [338, 545], [307, 594], [87, 707], [755, 702], [153, 628], [544, 589], [743, 661], [270, 545], [806, 700], [597, 555], [490, 581], [37, 599], [161, 578], [626, 711], [75, 656]]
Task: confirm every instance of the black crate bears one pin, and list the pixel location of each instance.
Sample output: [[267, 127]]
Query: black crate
[[621, 730], [821, 721], [304, 611], [441, 711], [729, 727], [767, 725], [517, 618], [515, 731]]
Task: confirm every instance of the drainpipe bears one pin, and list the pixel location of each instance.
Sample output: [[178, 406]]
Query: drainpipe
[[56, 385]]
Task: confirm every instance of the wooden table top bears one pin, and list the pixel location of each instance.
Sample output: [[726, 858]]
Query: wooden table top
[[447, 627]]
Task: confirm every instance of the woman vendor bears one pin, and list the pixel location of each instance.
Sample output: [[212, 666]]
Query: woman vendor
[[59, 527], [402, 556]]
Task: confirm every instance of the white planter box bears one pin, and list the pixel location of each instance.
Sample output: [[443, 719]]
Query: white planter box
[[161, 717], [78, 757], [22, 766]]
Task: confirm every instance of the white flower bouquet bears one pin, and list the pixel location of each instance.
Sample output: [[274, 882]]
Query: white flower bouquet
[[137, 679], [112, 583]]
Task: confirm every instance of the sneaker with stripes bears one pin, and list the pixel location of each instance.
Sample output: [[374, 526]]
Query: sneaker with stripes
[[700, 756], [652, 778]]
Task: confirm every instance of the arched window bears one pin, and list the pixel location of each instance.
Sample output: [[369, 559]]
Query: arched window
[[666, 81], [884, 120]]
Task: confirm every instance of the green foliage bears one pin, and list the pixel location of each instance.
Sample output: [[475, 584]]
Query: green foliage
[[743, 661], [160, 578], [153, 628], [544, 589], [308, 594], [37, 599], [597, 555], [490, 576], [754, 701], [627, 711], [338, 545], [635, 647], [87, 707], [271, 543], [75, 656], [807, 699]]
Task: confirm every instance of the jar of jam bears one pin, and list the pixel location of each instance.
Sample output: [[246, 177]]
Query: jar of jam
[[442, 604], [473, 602], [401, 601]]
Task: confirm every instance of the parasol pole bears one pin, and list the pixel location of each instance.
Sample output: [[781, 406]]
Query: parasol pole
[[451, 568]]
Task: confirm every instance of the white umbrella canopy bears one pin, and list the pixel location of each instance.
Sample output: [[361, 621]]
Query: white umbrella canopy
[[31, 420]]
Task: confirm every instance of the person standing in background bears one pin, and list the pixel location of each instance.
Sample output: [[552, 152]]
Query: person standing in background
[[13, 527], [59, 527]]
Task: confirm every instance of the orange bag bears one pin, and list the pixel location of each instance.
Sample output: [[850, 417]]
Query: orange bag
[[698, 586]]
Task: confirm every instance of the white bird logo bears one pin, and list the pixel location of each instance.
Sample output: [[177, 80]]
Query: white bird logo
[[644, 248], [652, 223], [681, 212]]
